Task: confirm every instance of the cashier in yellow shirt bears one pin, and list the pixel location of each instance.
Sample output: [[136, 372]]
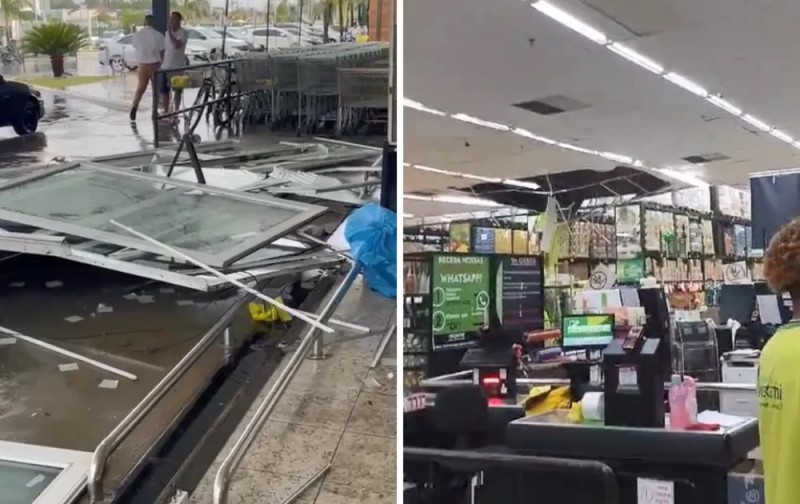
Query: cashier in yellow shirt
[[779, 376]]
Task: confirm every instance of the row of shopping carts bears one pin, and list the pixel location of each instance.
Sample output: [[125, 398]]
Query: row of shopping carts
[[341, 85]]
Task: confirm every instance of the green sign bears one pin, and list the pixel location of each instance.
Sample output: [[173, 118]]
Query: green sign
[[587, 330], [460, 296], [630, 270]]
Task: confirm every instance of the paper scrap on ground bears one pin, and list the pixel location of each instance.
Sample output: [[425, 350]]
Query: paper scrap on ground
[[17, 285], [101, 308], [67, 367], [37, 480], [7, 341], [131, 296], [109, 384], [73, 319], [146, 299], [54, 284], [184, 302]]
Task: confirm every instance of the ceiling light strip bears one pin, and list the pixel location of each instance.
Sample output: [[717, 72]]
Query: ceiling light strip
[[491, 180], [568, 20], [608, 156], [454, 199]]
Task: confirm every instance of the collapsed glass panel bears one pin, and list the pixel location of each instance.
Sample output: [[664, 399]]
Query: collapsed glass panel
[[214, 226], [24, 483]]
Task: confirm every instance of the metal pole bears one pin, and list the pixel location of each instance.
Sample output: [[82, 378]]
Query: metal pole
[[225, 27], [227, 344], [308, 484], [269, 15], [231, 463], [382, 347], [154, 113]]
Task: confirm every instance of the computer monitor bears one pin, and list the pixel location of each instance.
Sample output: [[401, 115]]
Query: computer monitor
[[588, 332]]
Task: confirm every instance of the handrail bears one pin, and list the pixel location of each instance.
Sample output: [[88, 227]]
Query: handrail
[[120, 432], [228, 467], [475, 459], [441, 382]]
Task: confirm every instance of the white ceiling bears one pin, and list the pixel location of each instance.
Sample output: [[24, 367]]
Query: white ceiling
[[476, 57]]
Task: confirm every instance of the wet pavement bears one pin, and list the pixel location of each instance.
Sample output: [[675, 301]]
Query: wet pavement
[[88, 121]]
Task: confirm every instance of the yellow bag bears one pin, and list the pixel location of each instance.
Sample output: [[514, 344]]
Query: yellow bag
[[179, 82], [546, 399], [262, 312]]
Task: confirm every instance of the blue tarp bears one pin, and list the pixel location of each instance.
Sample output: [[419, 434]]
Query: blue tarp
[[371, 232]]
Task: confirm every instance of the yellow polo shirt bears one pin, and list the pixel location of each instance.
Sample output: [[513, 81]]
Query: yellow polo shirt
[[779, 414]]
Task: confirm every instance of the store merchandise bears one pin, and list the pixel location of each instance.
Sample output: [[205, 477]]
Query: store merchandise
[[628, 230], [708, 237], [519, 242], [503, 241]]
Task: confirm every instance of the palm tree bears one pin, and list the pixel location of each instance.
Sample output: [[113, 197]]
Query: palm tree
[[56, 39], [12, 9]]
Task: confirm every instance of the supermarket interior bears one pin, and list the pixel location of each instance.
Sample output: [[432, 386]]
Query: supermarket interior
[[590, 189]]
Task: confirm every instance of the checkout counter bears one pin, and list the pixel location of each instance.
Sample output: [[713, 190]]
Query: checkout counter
[[630, 438]]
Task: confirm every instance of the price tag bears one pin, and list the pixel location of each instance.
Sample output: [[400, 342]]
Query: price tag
[[627, 377], [650, 491]]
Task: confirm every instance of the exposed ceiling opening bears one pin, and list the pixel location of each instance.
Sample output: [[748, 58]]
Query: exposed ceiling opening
[[706, 158], [552, 105]]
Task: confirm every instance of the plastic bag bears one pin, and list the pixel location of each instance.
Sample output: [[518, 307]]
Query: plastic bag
[[371, 232]]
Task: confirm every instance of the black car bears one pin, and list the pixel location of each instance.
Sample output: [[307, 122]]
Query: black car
[[21, 106]]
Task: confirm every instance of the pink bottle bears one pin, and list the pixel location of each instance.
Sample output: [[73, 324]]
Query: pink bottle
[[679, 417]]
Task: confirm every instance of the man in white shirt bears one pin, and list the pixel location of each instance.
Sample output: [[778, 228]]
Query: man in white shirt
[[149, 46], [174, 57]]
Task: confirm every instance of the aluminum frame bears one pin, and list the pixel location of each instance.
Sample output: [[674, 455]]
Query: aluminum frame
[[74, 466], [306, 212], [57, 247]]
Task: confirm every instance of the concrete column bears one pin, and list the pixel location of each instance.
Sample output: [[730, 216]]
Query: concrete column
[[160, 10]]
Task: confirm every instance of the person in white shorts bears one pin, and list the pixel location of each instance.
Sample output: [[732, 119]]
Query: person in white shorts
[[149, 46], [174, 57]]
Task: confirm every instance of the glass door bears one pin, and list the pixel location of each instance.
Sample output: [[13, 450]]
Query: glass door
[[31, 474]]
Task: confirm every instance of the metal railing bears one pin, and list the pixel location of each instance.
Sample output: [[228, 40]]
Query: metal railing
[[112, 441], [229, 466], [450, 380]]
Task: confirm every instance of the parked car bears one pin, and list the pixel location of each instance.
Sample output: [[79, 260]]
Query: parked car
[[209, 39], [21, 106], [278, 38], [306, 34], [119, 53]]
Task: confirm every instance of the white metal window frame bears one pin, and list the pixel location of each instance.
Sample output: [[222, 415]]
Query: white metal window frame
[[306, 212], [74, 466], [56, 246]]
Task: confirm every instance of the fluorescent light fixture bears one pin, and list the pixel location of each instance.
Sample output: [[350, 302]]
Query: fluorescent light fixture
[[570, 21], [480, 122], [617, 158], [780, 135], [634, 57], [683, 177], [521, 183], [527, 134], [449, 173], [408, 216], [691, 86], [725, 105], [454, 199], [560, 16], [756, 122], [422, 108], [481, 178]]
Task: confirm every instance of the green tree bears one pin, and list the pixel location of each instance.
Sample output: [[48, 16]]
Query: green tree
[[56, 39], [12, 11], [192, 10], [128, 19], [282, 12]]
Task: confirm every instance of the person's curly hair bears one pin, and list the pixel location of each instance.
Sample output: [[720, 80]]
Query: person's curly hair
[[782, 260]]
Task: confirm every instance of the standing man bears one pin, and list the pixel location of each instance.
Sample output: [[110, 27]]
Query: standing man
[[149, 46], [174, 57]]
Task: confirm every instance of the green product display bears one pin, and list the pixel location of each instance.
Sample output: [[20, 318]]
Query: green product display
[[587, 330], [460, 293], [630, 270]]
